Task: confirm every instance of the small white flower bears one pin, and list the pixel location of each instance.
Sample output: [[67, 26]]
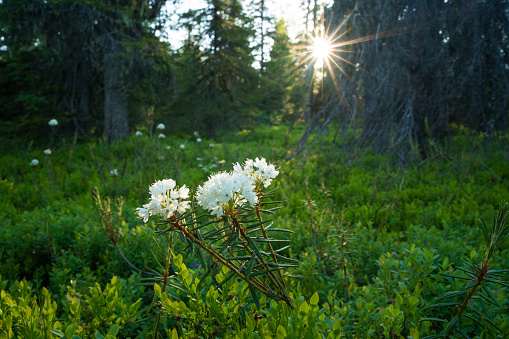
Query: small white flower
[[34, 162], [47, 151], [53, 122], [195, 133], [160, 126], [168, 147], [161, 136], [114, 173], [138, 134], [222, 162], [165, 200], [198, 140], [182, 146], [211, 146], [199, 159]]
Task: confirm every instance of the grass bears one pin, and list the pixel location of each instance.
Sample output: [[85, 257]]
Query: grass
[[51, 230]]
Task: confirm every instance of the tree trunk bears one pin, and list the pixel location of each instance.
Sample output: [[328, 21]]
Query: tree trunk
[[115, 94]]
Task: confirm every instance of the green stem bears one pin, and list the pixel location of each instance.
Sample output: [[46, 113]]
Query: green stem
[[480, 277]]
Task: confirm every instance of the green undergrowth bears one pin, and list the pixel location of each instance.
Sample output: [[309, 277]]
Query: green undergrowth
[[372, 234]]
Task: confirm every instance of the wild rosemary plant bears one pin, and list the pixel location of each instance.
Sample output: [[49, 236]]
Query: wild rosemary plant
[[480, 277], [238, 236]]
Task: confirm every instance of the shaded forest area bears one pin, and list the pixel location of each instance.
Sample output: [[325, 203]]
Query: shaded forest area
[[405, 69], [248, 184]]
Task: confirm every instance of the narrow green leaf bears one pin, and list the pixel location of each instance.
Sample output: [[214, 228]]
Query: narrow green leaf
[[255, 297], [272, 240], [243, 257], [451, 295], [474, 267], [455, 276], [452, 324], [485, 232], [471, 284], [471, 305], [498, 271], [433, 320], [228, 277], [434, 336], [212, 233], [254, 247], [273, 295], [491, 296], [503, 283], [282, 249], [280, 230], [282, 265], [463, 334], [285, 259], [258, 223], [250, 265], [201, 258], [272, 202], [440, 305], [264, 271]]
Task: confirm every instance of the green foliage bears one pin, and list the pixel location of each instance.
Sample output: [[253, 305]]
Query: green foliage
[[33, 314], [405, 241]]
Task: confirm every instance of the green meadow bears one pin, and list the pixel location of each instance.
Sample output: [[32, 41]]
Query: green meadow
[[376, 247]]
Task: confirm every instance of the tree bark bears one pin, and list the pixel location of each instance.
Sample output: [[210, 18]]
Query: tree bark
[[115, 93]]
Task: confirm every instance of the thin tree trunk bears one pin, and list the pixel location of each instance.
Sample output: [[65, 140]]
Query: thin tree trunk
[[115, 95]]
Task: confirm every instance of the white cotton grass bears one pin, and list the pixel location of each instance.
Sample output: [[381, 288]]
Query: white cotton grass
[[161, 136], [198, 140], [226, 190], [182, 146], [138, 133], [166, 199], [53, 122], [34, 162], [160, 126], [260, 170], [47, 151]]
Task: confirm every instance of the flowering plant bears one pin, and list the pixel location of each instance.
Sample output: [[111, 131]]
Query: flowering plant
[[232, 238]]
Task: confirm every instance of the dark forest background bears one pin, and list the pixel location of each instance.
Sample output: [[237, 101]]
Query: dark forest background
[[407, 70]]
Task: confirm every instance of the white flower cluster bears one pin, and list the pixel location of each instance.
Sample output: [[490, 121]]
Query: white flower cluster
[[259, 170], [114, 173], [53, 122], [138, 133], [47, 151], [34, 162], [160, 126], [222, 193], [165, 200], [226, 190]]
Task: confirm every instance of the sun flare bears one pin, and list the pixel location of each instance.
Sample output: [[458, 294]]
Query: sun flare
[[321, 49]]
